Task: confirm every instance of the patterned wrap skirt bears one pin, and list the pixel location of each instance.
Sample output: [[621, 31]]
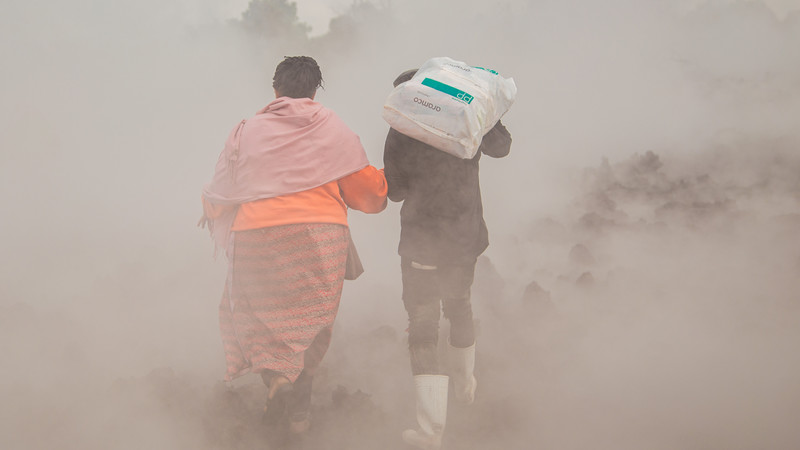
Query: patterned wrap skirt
[[281, 297]]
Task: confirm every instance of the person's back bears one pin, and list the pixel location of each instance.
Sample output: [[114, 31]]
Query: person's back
[[278, 205], [442, 214]]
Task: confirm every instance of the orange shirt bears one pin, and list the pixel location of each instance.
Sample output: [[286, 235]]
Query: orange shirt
[[364, 190]]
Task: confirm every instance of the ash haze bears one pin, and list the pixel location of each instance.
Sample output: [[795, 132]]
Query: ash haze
[[640, 289]]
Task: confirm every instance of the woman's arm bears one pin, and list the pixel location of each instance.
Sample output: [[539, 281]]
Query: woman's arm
[[364, 190]]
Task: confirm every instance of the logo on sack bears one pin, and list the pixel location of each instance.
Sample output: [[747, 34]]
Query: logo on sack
[[449, 90], [465, 97], [465, 69], [427, 104]]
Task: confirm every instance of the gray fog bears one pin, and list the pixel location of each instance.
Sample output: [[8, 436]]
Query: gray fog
[[641, 288]]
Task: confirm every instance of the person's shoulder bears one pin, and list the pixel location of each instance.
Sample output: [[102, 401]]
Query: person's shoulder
[[397, 138], [406, 140], [394, 134]]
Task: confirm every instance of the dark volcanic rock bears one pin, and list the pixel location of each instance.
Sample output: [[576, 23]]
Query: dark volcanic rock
[[586, 280], [581, 255], [488, 282], [595, 222], [537, 299]]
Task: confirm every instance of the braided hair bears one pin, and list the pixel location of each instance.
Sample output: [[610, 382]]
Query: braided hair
[[297, 77]]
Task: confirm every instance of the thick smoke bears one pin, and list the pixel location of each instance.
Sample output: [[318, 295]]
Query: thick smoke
[[640, 290]]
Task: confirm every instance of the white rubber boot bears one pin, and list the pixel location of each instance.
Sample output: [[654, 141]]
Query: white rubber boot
[[431, 412], [462, 367]]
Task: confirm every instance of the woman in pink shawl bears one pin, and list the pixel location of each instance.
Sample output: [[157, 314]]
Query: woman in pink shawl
[[278, 206]]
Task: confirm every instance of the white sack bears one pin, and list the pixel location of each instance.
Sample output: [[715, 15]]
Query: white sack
[[449, 105]]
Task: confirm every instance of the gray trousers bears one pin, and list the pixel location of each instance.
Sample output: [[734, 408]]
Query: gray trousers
[[426, 292]]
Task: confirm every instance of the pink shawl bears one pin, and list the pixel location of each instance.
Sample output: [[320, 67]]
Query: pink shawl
[[292, 145]]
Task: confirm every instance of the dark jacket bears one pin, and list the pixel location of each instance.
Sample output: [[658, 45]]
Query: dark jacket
[[442, 215]]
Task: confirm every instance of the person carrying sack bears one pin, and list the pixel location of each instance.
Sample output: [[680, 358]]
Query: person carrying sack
[[442, 234]]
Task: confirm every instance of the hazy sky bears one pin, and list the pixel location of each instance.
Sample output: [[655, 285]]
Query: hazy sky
[[318, 13]]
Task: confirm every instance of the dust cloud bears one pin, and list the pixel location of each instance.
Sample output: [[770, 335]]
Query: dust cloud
[[640, 290]]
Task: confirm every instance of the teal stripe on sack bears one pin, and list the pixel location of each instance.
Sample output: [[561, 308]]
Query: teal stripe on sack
[[488, 70], [447, 89]]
